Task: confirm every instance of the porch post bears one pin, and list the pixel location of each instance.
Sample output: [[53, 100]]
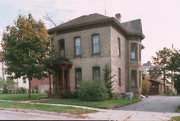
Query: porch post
[[57, 82], [68, 80], [62, 79]]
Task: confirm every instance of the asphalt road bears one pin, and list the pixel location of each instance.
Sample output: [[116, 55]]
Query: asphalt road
[[155, 104]]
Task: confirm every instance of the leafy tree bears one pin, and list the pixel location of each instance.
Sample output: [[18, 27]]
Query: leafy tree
[[27, 49], [8, 85], [174, 66], [108, 81], [161, 62]]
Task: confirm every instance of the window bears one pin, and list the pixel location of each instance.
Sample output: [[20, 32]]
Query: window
[[119, 76], [95, 44], [139, 52], [96, 72], [134, 78], [140, 78], [78, 76], [77, 42], [61, 48], [24, 80], [119, 47], [133, 51]]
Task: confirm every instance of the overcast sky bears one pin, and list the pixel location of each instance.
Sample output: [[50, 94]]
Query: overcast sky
[[160, 18]]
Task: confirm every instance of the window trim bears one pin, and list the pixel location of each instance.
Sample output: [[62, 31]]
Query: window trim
[[93, 68], [78, 46], [93, 44]]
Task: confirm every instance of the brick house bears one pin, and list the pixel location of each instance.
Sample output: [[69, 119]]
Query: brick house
[[87, 43]]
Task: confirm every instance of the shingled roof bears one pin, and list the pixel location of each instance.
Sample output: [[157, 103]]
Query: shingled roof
[[133, 27]]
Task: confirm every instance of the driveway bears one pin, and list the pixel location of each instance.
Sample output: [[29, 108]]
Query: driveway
[[155, 104]]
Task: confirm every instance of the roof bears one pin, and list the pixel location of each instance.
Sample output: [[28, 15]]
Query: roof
[[133, 27]]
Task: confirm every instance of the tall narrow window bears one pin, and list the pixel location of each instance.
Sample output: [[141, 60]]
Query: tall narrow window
[[77, 46], [96, 44], [119, 47], [61, 48], [119, 76], [134, 51], [134, 78], [78, 76], [96, 72]]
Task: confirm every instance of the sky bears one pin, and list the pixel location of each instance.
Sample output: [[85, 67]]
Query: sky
[[160, 18]]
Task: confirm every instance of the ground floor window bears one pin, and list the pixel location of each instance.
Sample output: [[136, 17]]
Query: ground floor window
[[96, 72], [119, 76], [78, 76], [134, 78]]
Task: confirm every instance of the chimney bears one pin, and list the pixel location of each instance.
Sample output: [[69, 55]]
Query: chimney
[[118, 17]]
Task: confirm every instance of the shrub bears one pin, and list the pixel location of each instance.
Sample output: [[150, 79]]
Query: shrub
[[145, 86], [92, 90], [68, 95], [22, 90]]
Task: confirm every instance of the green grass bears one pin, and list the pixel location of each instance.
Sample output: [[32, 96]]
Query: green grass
[[176, 118], [20, 97], [59, 109], [108, 104]]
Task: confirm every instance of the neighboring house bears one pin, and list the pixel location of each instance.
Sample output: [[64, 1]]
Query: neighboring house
[[87, 43], [157, 85], [20, 81]]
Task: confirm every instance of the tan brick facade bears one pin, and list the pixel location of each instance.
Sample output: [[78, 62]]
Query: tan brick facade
[[108, 55]]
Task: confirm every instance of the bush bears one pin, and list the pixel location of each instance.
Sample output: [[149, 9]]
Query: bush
[[22, 90], [92, 90], [68, 95], [145, 86]]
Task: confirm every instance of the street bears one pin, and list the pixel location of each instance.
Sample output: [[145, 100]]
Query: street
[[155, 104]]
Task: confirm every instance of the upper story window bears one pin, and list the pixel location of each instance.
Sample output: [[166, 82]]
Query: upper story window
[[133, 51], [78, 76], [96, 43], [134, 78], [96, 72], [119, 47], [77, 41], [61, 48]]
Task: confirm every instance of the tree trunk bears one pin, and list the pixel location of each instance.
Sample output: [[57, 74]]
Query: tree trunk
[[29, 91], [50, 89], [164, 79]]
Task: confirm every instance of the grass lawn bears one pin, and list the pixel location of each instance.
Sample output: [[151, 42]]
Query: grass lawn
[[59, 109], [108, 104], [176, 118], [20, 97]]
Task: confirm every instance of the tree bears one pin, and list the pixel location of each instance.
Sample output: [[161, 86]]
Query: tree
[[108, 81], [174, 66], [8, 85], [27, 49], [161, 62]]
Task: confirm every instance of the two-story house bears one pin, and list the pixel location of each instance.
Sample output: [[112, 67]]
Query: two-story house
[[87, 43]]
